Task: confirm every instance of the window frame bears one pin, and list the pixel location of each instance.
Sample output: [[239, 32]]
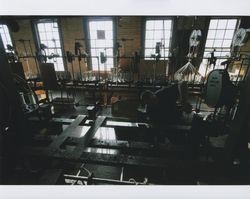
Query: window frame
[[205, 48], [38, 39], [11, 37], [88, 41], [144, 35]]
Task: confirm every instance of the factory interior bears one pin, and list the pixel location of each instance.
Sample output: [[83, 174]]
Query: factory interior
[[124, 100]]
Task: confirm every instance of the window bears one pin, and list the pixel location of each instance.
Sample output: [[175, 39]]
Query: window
[[101, 40], [157, 31], [5, 34], [49, 36], [219, 37]]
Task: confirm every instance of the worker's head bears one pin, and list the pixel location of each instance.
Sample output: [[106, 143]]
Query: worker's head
[[148, 98]]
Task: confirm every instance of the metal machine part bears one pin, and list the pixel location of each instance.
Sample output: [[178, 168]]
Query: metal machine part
[[195, 38], [194, 41], [28, 99], [12, 54], [104, 180], [189, 72], [240, 37], [217, 88], [41, 54]]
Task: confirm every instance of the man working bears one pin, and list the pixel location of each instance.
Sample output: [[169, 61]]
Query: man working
[[161, 105]]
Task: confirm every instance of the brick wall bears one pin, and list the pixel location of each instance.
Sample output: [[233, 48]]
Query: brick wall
[[25, 33], [128, 27], [72, 29], [131, 28]]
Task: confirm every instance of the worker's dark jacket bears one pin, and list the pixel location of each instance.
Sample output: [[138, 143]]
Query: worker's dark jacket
[[165, 111]]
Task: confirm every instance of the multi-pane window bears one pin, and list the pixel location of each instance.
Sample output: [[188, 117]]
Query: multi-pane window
[[5, 34], [49, 36], [101, 40], [219, 37], [157, 31]]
